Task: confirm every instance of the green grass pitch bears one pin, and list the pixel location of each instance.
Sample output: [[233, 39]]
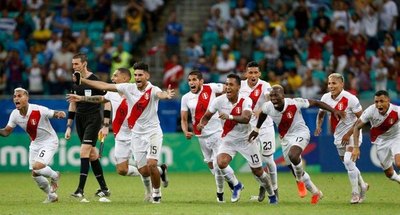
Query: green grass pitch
[[194, 193]]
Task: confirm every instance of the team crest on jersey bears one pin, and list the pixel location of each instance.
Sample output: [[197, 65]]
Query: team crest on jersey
[[289, 115], [257, 92], [33, 122], [146, 96], [204, 95], [340, 106], [238, 110]]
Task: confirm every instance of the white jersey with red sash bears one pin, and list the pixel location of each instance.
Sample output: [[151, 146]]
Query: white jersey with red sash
[[36, 123], [348, 103], [232, 129], [289, 120], [142, 107], [383, 127], [119, 118], [257, 95], [198, 104]]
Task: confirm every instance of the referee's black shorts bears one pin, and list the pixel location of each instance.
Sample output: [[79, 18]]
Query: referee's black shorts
[[87, 127]]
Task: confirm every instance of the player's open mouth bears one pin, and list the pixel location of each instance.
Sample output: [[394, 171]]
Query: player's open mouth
[[192, 87]]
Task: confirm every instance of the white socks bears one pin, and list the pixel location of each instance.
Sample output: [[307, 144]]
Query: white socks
[[352, 171], [298, 170], [309, 184], [42, 183], [269, 160], [132, 171], [46, 172], [146, 183], [265, 181], [229, 175]]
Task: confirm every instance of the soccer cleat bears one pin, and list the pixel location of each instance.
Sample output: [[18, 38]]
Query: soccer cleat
[[163, 176], [316, 197], [261, 194], [276, 193], [51, 197], [156, 198], [54, 183], [236, 192], [103, 193], [301, 188], [363, 192], [78, 193], [220, 198], [147, 197], [273, 200], [230, 185], [355, 198]]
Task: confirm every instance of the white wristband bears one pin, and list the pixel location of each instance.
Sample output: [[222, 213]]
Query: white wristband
[[256, 130], [230, 117]]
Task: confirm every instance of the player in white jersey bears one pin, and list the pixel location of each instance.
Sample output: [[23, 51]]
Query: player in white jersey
[[342, 130], [385, 133], [142, 98], [34, 119], [197, 102], [235, 113], [258, 91], [293, 131], [122, 133]]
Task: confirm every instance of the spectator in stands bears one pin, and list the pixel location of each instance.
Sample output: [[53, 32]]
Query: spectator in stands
[[82, 12], [388, 14], [3, 76], [299, 42], [309, 90], [294, 81], [173, 73], [62, 21], [228, 30], [257, 26], [52, 46], [15, 70], [23, 27], [244, 43], [316, 43], [17, 43], [134, 19], [43, 20], [223, 6], [369, 26], [101, 10], [365, 77], [174, 31], [302, 16], [203, 66], [221, 39], [270, 47], [214, 21], [35, 77], [192, 53], [287, 52], [322, 21], [104, 60], [352, 83], [63, 57], [381, 78], [358, 47], [42, 31], [340, 45], [7, 24], [83, 42], [355, 25], [340, 16], [225, 64], [120, 59], [153, 11], [34, 5]]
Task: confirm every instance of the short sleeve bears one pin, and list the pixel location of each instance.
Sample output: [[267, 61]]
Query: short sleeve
[[214, 106], [302, 103], [123, 88], [267, 88], [366, 115], [247, 103], [154, 91], [107, 96], [47, 112], [184, 106], [218, 88], [11, 121], [324, 99], [355, 105]]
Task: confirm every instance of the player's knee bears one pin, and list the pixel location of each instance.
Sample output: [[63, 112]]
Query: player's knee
[[397, 163], [257, 171], [152, 164], [222, 164], [37, 166], [122, 171], [294, 159], [348, 164]]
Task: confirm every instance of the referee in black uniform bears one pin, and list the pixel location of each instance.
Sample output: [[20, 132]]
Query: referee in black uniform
[[88, 123]]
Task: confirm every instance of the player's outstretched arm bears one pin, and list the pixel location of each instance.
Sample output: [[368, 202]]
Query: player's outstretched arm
[[168, 94], [356, 134], [338, 114], [59, 114], [319, 121], [254, 133], [4, 132], [91, 99], [99, 85]]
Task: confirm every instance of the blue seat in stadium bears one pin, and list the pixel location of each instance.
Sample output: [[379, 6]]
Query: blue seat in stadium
[[290, 23], [289, 64], [94, 36], [258, 56], [78, 26], [366, 95], [236, 54], [96, 26]]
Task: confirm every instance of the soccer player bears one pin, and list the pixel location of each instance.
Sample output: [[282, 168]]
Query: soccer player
[[293, 131], [197, 101], [142, 98], [385, 133], [258, 91], [235, 113], [34, 119], [342, 100], [88, 124], [122, 133]]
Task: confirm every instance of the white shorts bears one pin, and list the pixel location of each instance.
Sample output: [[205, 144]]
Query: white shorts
[[300, 140], [266, 141], [122, 150], [250, 151], [342, 149], [386, 152], [42, 153], [209, 146], [146, 146]]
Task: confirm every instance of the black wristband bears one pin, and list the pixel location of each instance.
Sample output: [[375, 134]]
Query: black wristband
[[107, 114], [71, 115]]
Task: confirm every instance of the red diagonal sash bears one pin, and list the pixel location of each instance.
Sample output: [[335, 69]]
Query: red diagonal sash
[[255, 95], [341, 105], [32, 124], [201, 107], [120, 116], [286, 120], [138, 108], [390, 120], [230, 124]]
